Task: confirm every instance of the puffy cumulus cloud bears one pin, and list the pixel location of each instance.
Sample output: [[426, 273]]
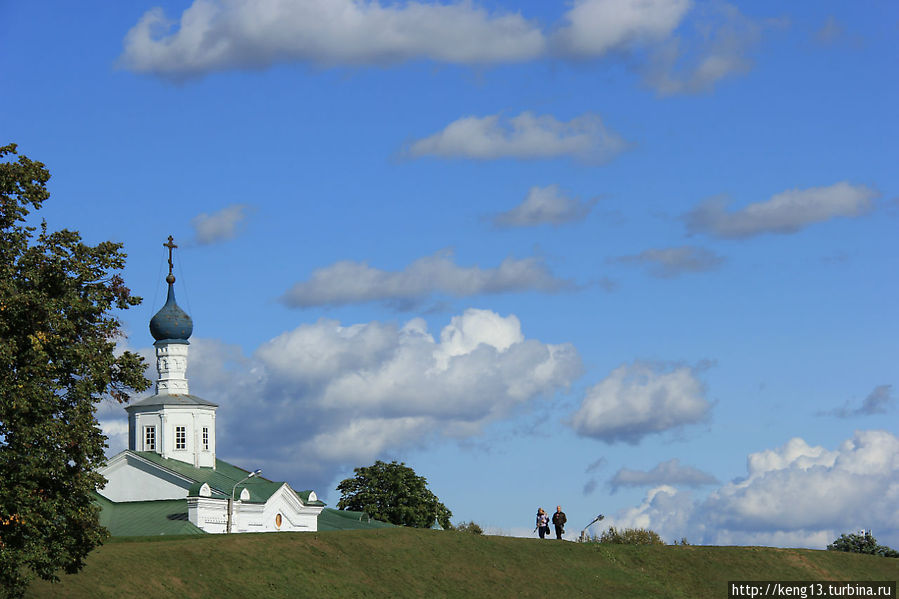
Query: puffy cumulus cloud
[[243, 34], [219, 226], [878, 401], [594, 27], [526, 136], [325, 397], [668, 263], [217, 35], [545, 206], [349, 282], [670, 473], [795, 495], [641, 399], [664, 509], [786, 212]]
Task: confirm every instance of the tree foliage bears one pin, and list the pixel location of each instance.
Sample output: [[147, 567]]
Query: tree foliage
[[393, 493], [861, 542], [470, 527], [630, 536], [57, 360]]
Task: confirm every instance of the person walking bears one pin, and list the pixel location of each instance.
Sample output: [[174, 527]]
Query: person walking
[[542, 522], [559, 520]]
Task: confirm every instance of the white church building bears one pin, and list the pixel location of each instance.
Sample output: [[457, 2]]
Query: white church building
[[169, 480]]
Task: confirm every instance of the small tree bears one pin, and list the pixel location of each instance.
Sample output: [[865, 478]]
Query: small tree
[[861, 542], [393, 493], [57, 360]]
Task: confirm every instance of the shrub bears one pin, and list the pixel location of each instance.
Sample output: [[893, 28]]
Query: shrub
[[630, 536], [470, 527]]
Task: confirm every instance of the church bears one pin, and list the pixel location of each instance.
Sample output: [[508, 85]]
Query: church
[[170, 481]]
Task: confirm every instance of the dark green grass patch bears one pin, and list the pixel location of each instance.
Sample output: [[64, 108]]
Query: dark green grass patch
[[401, 562]]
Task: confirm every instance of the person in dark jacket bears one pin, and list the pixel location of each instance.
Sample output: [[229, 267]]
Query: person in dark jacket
[[559, 520]]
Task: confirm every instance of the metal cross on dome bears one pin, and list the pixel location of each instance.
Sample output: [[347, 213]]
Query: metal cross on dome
[[171, 245]]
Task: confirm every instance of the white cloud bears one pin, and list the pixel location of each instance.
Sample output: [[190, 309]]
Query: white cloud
[[526, 136], [594, 27], [720, 46], [219, 226], [795, 495], [672, 262], [670, 473], [640, 399], [545, 206], [350, 282], [226, 34], [786, 212], [324, 397], [116, 431], [217, 35]]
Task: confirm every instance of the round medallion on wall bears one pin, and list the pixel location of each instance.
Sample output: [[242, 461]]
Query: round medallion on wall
[[278, 521]]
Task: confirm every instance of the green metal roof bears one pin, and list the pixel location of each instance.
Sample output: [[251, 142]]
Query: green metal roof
[[221, 479], [331, 519], [145, 518], [169, 517]]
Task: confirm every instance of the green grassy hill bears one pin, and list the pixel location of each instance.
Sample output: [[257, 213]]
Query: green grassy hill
[[400, 562]]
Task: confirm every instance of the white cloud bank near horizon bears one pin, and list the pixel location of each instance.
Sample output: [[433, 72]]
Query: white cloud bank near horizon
[[218, 35], [349, 282], [324, 397], [796, 495]]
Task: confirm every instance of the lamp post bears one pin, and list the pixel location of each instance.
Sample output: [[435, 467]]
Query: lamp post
[[256, 472], [583, 537]]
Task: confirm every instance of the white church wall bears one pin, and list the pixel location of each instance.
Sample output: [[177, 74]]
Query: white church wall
[[294, 515], [205, 454], [210, 515], [130, 479], [248, 517], [191, 447]]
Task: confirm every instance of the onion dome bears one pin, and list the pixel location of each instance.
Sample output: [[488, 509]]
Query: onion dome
[[171, 323]]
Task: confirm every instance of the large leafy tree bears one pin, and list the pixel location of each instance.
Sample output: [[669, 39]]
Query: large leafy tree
[[861, 542], [57, 360], [393, 493]]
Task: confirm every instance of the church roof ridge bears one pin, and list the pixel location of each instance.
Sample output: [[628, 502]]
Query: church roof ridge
[[223, 478], [174, 399]]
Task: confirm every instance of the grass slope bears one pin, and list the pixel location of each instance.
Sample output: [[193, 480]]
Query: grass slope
[[402, 562]]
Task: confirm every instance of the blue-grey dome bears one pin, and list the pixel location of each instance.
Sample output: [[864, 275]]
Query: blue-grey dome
[[171, 323]]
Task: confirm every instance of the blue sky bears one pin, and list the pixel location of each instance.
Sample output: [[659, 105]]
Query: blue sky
[[637, 258]]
